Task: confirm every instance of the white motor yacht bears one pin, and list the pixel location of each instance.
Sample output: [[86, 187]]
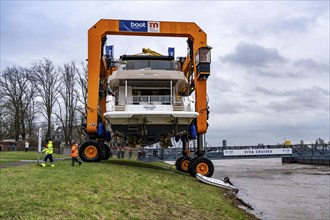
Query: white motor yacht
[[147, 101]]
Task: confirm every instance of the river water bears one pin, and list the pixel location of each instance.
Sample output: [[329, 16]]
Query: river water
[[279, 191]]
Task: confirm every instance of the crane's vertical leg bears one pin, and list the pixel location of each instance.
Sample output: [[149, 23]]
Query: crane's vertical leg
[[201, 164], [200, 145]]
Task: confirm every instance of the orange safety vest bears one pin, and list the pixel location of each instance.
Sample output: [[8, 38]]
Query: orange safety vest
[[74, 150]]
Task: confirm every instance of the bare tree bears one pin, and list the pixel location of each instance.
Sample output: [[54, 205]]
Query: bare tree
[[28, 102], [17, 94], [82, 78], [48, 83], [67, 104], [10, 94], [5, 116], [62, 93], [31, 114]]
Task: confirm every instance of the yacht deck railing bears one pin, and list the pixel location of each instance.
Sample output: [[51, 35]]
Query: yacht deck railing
[[154, 100]]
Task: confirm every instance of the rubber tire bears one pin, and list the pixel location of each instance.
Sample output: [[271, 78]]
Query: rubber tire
[[205, 161], [99, 151], [177, 162], [106, 152], [190, 165], [184, 159]]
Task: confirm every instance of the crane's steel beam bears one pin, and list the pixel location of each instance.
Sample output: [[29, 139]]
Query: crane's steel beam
[[97, 73]]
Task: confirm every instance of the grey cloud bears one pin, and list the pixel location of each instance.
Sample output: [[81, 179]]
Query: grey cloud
[[317, 98], [314, 91], [220, 85], [265, 62], [278, 74], [298, 24], [285, 23], [294, 24], [276, 26], [302, 99], [267, 132], [223, 97], [253, 55], [313, 65], [226, 106]]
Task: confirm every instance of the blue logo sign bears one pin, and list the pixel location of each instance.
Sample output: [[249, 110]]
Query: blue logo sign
[[171, 51], [109, 51], [133, 26]]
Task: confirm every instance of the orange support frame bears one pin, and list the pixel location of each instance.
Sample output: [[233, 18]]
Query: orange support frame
[[165, 29]]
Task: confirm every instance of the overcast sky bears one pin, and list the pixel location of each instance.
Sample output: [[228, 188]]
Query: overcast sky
[[270, 60]]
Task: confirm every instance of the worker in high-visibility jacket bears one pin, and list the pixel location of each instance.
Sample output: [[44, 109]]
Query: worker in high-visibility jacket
[[74, 153], [49, 154]]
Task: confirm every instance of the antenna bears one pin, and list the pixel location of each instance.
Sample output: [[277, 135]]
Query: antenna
[[127, 48], [120, 57]]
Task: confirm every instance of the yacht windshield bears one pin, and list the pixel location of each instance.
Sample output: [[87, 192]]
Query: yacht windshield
[[150, 64]]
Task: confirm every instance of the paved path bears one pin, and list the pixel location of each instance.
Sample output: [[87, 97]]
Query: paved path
[[24, 162], [17, 163]]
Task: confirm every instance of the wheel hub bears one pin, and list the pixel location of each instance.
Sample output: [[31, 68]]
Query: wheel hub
[[202, 168], [184, 165], [90, 151]]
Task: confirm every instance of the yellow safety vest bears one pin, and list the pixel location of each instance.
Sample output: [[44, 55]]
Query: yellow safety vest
[[49, 149]]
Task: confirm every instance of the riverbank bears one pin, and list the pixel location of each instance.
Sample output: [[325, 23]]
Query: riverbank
[[279, 191], [113, 189]]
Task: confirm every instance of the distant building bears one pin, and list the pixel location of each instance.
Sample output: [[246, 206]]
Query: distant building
[[58, 134]]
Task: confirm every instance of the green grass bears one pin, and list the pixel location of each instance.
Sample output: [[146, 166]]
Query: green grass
[[13, 156], [113, 189]]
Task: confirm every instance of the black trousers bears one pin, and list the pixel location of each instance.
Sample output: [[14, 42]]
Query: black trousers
[[50, 157], [75, 159]]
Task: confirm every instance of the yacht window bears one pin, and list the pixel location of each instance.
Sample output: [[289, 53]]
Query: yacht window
[[150, 64]]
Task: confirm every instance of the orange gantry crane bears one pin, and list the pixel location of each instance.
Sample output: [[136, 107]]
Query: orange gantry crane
[[195, 66]]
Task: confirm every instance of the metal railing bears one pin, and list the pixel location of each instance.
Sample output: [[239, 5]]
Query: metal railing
[[155, 99], [299, 152]]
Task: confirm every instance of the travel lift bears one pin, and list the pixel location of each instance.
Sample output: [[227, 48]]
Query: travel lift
[[195, 66]]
